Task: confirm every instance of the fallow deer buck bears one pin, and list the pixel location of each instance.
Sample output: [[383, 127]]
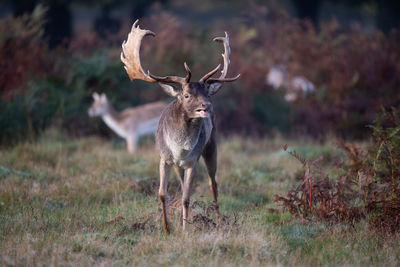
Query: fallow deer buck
[[186, 129], [131, 123]]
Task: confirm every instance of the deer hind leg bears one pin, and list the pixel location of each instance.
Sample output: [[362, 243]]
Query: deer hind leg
[[162, 192], [210, 159], [186, 195], [131, 143]]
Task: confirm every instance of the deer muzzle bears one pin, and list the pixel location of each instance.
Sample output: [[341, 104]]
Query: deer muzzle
[[204, 110]]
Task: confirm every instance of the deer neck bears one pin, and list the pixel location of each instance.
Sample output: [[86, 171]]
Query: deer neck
[[112, 119], [192, 130], [187, 130]]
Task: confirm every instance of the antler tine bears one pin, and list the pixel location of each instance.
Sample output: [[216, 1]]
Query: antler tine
[[211, 73], [226, 55], [217, 80], [189, 73], [173, 79], [167, 79], [130, 54]]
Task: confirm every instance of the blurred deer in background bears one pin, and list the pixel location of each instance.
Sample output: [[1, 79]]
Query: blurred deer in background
[[278, 77], [186, 129], [131, 123]]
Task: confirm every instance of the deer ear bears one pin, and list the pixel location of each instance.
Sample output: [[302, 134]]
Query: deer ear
[[169, 89], [213, 88], [95, 96], [103, 97]]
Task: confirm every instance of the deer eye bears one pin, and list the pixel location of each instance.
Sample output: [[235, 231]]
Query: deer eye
[[186, 96]]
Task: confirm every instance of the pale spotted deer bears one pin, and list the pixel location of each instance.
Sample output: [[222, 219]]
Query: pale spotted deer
[[131, 123], [186, 129]]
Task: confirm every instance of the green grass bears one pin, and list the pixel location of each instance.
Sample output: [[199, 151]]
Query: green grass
[[58, 196]]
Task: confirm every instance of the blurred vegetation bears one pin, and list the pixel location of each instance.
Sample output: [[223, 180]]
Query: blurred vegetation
[[354, 73], [42, 87]]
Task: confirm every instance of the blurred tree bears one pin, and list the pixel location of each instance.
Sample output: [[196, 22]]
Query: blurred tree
[[105, 24], [140, 7], [387, 11], [58, 18], [23, 6], [388, 16], [308, 9], [58, 27]]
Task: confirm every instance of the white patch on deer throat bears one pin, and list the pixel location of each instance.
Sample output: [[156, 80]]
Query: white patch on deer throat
[[115, 126], [179, 148]]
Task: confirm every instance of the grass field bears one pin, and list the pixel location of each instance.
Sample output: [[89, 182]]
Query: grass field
[[88, 202]]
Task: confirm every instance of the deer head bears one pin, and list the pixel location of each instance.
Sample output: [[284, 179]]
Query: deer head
[[193, 96], [100, 105]]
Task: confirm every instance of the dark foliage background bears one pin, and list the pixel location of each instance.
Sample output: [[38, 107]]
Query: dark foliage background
[[48, 82]]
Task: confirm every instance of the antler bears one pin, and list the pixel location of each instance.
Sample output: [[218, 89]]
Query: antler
[[130, 56], [207, 78]]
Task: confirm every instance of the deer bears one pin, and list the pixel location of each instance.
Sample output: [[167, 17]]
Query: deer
[[131, 123], [278, 77], [186, 129]]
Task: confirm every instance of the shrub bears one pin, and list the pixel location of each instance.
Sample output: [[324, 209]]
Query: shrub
[[22, 50], [368, 186]]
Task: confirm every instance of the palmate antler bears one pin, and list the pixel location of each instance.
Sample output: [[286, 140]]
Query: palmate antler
[[130, 56]]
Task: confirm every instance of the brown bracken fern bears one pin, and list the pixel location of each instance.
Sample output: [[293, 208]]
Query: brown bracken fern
[[369, 186]]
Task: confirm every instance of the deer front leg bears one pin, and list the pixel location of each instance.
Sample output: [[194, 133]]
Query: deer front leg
[[162, 192], [131, 142], [186, 194]]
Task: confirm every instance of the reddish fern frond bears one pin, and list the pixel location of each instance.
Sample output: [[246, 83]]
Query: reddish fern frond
[[372, 178]]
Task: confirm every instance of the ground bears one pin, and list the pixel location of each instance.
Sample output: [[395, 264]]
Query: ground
[[88, 202]]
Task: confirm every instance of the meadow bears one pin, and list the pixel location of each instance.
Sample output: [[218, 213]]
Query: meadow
[[70, 194], [86, 201]]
